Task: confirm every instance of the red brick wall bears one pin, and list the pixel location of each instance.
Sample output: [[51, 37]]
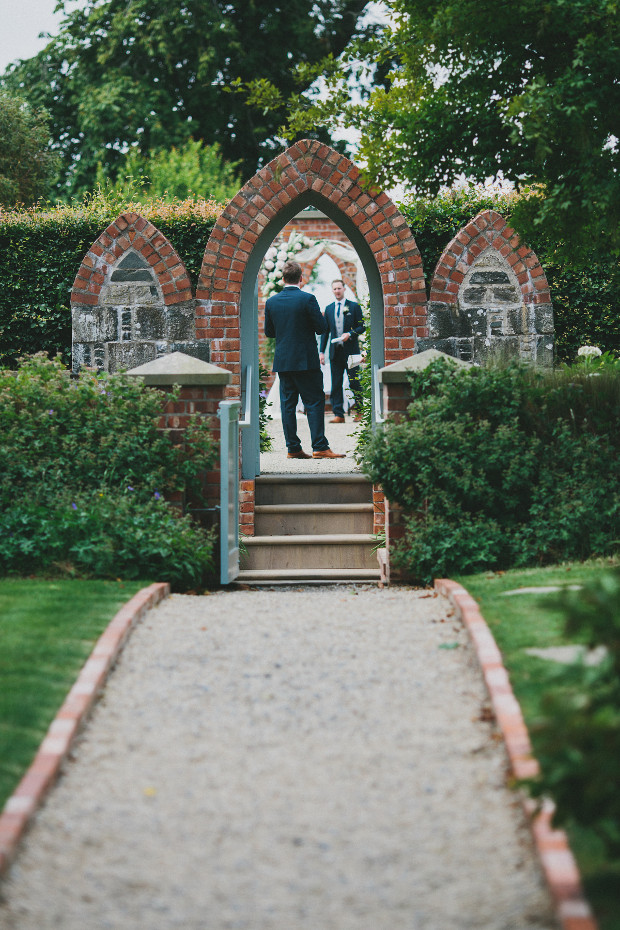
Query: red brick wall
[[176, 417]]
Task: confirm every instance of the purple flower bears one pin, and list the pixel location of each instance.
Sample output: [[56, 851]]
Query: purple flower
[[74, 506], [50, 412], [157, 495], [129, 487]]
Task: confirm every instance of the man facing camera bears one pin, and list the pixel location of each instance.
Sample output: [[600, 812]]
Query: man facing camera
[[295, 319], [345, 324]]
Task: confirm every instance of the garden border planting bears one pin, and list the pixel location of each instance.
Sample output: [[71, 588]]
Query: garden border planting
[[45, 767], [558, 863]]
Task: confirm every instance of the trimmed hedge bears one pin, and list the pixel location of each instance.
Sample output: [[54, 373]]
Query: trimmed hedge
[[41, 252]]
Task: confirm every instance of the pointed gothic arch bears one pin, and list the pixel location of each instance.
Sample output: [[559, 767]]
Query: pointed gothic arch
[[310, 173], [131, 299], [489, 295]]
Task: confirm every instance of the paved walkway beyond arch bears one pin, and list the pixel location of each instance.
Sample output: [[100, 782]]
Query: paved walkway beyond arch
[[285, 759]]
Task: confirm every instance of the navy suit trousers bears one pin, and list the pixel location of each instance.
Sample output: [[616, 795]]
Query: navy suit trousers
[[309, 386], [338, 366]]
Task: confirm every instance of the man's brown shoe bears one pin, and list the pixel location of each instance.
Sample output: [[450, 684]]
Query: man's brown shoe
[[337, 420], [298, 455], [328, 454]]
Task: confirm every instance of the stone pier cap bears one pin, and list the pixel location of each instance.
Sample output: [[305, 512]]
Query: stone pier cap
[[398, 372], [179, 368]]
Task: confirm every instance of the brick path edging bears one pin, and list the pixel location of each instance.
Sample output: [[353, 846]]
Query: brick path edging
[[558, 863], [21, 807]]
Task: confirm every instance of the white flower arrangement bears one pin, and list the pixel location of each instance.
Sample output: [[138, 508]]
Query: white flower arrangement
[[589, 351], [277, 256]]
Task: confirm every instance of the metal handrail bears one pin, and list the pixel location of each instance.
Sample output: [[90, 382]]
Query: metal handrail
[[247, 413], [379, 418]]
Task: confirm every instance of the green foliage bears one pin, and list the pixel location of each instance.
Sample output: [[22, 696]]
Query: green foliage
[[496, 468], [580, 726], [535, 619], [28, 166], [192, 170], [127, 72], [83, 475], [264, 418], [528, 91], [41, 252]]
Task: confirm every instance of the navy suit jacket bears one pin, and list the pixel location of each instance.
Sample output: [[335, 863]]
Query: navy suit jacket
[[352, 322], [294, 317]]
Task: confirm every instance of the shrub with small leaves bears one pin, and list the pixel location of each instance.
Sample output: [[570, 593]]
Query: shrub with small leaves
[[502, 467], [579, 734], [84, 471]]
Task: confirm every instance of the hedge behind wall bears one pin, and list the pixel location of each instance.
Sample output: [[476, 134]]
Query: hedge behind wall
[[41, 251]]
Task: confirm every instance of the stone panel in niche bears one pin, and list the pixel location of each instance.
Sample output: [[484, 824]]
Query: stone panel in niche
[[132, 267], [180, 323], [476, 321], [489, 277], [95, 324]]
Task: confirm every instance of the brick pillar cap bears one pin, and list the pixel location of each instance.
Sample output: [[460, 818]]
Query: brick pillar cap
[[399, 371], [179, 368]]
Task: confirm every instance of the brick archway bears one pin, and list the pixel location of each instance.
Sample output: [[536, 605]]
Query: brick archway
[[490, 295], [132, 299], [488, 229], [131, 231], [308, 172]]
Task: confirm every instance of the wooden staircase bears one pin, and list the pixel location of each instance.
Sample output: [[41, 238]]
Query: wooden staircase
[[311, 528]]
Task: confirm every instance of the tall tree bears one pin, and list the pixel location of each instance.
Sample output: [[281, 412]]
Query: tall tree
[[28, 165], [154, 72], [478, 87]]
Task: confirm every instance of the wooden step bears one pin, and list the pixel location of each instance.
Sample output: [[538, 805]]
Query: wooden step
[[351, 488], [336, 550], [306, 519], [310, 576]]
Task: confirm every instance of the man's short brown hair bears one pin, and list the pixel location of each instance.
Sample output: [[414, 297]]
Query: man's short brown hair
[[338, 281], [291, 272]]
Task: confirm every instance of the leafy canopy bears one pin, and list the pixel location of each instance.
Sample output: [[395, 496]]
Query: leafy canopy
[[151, 72], [27, 163], [192, 169], [480, 87]]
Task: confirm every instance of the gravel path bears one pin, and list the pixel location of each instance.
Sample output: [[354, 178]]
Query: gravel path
[[284, 759]]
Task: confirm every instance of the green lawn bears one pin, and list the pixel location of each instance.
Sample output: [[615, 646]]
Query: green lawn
[[47, 631], [534, 620]]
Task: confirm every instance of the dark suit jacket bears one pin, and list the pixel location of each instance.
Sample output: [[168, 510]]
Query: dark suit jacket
[[294, 317], [352, 322]]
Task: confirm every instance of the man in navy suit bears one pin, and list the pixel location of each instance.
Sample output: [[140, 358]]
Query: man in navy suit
[[294, 318], [346, 324]]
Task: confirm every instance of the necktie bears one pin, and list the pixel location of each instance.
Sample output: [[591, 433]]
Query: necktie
[[339, 319]]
